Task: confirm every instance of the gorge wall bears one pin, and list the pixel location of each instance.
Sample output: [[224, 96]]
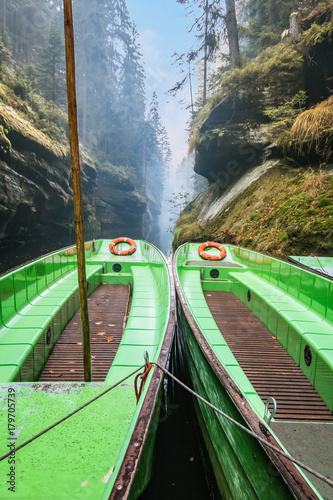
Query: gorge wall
[[267, 191], [36, 201]]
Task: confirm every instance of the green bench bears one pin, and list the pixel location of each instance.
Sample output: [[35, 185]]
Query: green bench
[[298, 311], [36, 303]]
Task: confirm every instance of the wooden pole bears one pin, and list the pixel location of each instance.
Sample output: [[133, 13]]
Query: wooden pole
[[76, 179]]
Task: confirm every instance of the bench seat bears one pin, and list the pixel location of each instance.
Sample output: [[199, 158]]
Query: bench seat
[[293, 323], [30, 328]]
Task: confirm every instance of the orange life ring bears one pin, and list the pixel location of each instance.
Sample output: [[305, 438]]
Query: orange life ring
[[207, 256], [128, 251]]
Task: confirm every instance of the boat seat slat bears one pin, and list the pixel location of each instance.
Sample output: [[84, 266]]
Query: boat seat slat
[[107, 309], [296, 397]]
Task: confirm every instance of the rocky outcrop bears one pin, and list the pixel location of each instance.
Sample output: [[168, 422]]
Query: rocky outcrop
[[232, 132], [233, 137], [36, 202], [36, 199], [120, 210]]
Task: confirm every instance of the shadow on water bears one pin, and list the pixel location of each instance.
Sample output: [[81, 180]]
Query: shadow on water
[[181, 467]]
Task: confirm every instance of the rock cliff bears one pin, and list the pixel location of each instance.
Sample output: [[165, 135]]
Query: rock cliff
[[244, 144], [36, 202]]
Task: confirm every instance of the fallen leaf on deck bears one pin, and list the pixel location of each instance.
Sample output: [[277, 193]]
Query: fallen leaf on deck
[[72, 370], [59, 375], [75, 323], [98, 322], [109, 338], [51, 371], [97, 303], [94, 338], [101, 333], [79, 343], [111, 325], [273, 337]]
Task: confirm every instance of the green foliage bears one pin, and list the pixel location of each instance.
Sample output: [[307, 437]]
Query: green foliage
[[266, 70], [121, 176], [4, 56], [284, 116], [178, 202], [51, 69], [21, 84], [266, 20]]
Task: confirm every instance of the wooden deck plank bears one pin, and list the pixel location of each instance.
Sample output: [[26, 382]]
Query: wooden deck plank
[[268, 366], [108, 308]]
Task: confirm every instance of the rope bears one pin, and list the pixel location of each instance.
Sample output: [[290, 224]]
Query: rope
[[70, 414], [248, 431], [144, 376]]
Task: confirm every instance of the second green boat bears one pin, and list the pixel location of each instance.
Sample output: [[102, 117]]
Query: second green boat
[[257, 332]]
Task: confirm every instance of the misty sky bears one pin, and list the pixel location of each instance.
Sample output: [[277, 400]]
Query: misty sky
[[163, 30]]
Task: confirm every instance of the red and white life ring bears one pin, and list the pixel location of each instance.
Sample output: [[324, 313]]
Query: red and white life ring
[[127, 251], [207, 256]]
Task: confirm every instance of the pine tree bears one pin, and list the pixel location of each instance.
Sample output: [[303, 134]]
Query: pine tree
[[158, 153], [52, 72]]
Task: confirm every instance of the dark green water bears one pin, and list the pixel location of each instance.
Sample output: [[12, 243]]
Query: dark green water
[[182, 469]]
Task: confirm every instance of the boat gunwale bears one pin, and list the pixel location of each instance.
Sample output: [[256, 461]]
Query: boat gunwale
[[308, 268], [289, 472], [36, 259], [130, 463]]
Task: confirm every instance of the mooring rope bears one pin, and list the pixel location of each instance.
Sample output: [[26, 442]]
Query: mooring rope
[[245, 429], [70, 414]]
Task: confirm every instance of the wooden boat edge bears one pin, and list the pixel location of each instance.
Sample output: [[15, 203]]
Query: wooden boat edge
[[127, 472]]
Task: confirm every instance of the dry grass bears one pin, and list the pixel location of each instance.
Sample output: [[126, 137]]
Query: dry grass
[[314, 128]]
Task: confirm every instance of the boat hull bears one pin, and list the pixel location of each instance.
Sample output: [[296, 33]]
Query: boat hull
[[105, 449], [221, 350], [242, 468]]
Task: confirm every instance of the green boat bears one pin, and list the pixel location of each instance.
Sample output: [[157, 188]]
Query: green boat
[[253, 328], [322, 265], [104, 450]]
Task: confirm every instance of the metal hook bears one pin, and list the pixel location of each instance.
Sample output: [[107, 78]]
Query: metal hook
[[268, 415]]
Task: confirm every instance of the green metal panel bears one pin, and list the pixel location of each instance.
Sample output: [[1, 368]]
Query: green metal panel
[[7, 298], [19, 278], [320, 296], [31, 282], [306, 288], [11, 373], [294, 282], [324, 376]]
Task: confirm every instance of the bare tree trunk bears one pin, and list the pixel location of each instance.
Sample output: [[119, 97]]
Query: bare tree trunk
[[84, 100], [206, 55], [4, 14], [231, 25]]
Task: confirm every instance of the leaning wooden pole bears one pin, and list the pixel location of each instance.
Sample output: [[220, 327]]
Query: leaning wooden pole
[[76, 180]]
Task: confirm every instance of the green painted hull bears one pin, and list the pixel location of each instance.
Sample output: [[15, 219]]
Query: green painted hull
[[105, 450], [245, 469]]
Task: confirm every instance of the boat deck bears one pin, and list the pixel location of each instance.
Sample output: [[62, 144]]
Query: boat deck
[[108, 308], [268, 366]]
